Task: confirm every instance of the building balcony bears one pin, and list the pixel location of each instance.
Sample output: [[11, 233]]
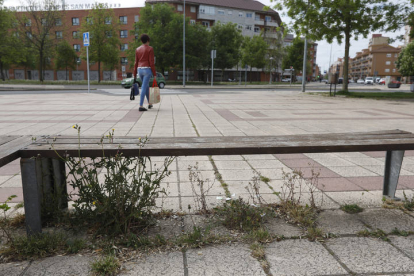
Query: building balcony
[[271, 23], [271, 35], [206, 16], [259, 22]]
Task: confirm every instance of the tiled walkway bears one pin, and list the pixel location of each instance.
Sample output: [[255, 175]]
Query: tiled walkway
[[344, 177]]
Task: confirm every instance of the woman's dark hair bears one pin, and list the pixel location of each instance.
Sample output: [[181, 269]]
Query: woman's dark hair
[[145, 38]]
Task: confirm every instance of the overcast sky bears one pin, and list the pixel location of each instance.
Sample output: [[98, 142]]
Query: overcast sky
[[324, 48]]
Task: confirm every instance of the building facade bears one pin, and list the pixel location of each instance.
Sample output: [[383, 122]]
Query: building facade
[[378, 60]]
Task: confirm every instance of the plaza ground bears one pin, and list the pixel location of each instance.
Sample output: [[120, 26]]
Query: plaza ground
[[345, 178]]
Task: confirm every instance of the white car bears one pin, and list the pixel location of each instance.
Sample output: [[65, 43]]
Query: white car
[[360, 81], [369, 80], [286, 80], [351, 81]]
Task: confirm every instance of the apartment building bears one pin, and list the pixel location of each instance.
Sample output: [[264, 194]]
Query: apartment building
[[69, 29], [377, 60]]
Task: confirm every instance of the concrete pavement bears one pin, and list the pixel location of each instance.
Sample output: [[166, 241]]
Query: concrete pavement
[[345, 178]]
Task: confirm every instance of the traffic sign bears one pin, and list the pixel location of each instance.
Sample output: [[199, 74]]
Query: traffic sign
[[86, 39]]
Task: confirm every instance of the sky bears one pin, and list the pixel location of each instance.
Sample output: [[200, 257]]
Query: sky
[[324, 48]]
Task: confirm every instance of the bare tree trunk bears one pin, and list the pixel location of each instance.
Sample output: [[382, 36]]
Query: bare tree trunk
[[41, 67], [66, 73], [99, 71]]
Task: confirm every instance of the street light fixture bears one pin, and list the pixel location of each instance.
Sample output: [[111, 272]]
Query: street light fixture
[[270, 73]]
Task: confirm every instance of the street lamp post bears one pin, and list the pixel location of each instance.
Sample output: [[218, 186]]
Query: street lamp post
[[270, 73], [184, 45], [304, 65]]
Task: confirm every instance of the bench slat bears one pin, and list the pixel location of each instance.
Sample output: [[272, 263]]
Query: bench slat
[[227, 139], [10, 151], [226, 148]]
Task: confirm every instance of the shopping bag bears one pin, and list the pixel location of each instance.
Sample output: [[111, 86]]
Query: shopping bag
[[134, 91], [154, 93]]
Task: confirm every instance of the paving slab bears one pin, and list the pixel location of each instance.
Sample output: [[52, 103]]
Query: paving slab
[[387, 219], [223, 260], [60, 266], [280, 227], [405, 244], [370, 255], [166, 263], [16, 268], [301, 257], [339, 223]]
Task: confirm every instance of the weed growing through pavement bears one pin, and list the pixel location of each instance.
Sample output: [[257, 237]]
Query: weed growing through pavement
[[108, 265], [200, 188], [351, 208], [121, 198], [402, 233], [5, 223], [380, 234], [253, 188]]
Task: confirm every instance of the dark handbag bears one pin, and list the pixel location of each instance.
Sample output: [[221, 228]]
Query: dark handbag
[[134, 91]]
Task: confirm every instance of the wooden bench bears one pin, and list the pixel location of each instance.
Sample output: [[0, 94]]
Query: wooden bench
[[48, 171]]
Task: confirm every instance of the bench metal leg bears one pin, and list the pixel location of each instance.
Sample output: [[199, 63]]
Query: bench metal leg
[[32, 195], [393, 163], [59, 180]]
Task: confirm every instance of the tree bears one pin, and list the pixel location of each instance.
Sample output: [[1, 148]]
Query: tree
[[37, 30], [197, 57], [294, 56], [165, 28], [345, 19], [405, 62], [226, 39], [276, 50], [66, 57], [253, 52], [103, 36]]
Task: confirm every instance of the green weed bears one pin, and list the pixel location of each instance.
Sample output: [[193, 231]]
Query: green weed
[[108, 265], [351, 208]]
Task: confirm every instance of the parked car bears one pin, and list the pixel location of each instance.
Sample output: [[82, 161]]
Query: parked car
[[325, 81], [381, 81], [127, 83], [286, 80], [351, 81], [360, 81], [369, 80], [394, 84]]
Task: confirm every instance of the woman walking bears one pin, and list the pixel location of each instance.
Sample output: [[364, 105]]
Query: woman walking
[[144, 61]]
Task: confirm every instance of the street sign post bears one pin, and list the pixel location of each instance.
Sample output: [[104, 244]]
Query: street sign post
[[213, 56], [86, 44]]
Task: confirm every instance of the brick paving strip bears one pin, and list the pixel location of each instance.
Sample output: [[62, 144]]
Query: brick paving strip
[[343, 178]]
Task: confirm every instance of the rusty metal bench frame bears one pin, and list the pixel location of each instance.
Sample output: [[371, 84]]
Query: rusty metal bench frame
[[47, 171]]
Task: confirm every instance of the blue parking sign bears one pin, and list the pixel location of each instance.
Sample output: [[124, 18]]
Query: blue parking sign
[[86, 39]]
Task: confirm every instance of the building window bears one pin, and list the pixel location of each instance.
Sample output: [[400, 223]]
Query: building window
[[75, 34], [206, 24], [268, 18], [240, 14], [179, 7], [249, 27], [193, 9], [28, 23], [78, 60], [192, 21], [388, 55], [89, 20], [256, 29], [387, 70], [203, 9], [230, 12], [75, 21], [108, 20], [388, 63], [43, 20], [257, 17], [124, 60], [124, 47], [220, 12], [394, 70], [395, 55], [59, 35], [58, 22], [76, 47], [124, 34], [249, 15], [29, 35], [240, 27], [123, 20], [108, 34], [136, 18]]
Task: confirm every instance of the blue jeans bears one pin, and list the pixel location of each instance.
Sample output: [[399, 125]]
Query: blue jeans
[[144, 74]]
